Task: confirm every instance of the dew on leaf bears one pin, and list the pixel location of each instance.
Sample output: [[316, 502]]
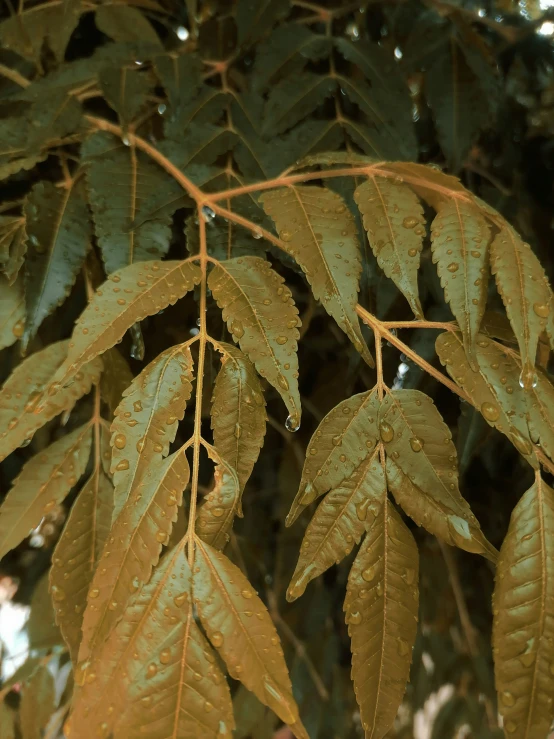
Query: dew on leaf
[[292, 423]]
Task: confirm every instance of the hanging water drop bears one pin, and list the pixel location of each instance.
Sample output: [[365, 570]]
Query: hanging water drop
[[528, 378], [386, 431], [292, 423], [207, 213]]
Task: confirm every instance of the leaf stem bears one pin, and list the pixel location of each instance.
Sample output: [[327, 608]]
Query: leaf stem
[[14, 76]]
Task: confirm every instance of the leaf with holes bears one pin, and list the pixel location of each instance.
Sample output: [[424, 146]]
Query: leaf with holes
[[381, 608]]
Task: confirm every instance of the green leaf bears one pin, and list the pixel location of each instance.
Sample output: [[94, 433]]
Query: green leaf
[[121, 181], [138, 533], [59, 233], [494, 389], [215, 516], [78, 550], [339, 522], [37, 703], [238, 412], [540, 404], [343, 440], [422, 472], [395, 225], [125, 23], [43, 482], [261, 315], [250, 647], [180, 75], [13, 243], [26, 31], [12, 312], [294, 98], [381, 608], [319, 232], [523, 624], [255, 17], [24, 405], [126, 89], [148, 287], [459, 240], [524, 290]]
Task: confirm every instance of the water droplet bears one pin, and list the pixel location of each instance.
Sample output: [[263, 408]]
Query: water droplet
[[237, 329], [119, 441], [386, 431], [453, 267], [165, 656], [152, 670], [94, 593], [208, 214], [409, 576], [237, 431], [281, 340], [218, 512], [510, 726], [309, 494], [337, 440], [217, 638], [507, 698], [292, 423], [490, 411], [541, 309], [416, 444], [412, 252], [355, 618], [57, 593], [123, 465], [410, 222], [18, 329], [403, 647], [361, 509], [528, 378], [370, 573], [285, 235]]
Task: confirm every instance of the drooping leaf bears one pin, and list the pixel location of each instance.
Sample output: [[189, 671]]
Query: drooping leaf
[[148, 288], [59, 233], [25, 31], [126, 89], [37, 703], [24, 407], [249, 646], [158, 626], [394, 221], [422, 472], [215, 516], [43, 482], [78, 550], [459, 240], [381, 607], [12, 312], [319, 232], [494, 389], [140, 530], [524, 289], [339, 522], [262, 317], [125, 23], [238, 412], [120, 181], [343, 440], [523, 624]]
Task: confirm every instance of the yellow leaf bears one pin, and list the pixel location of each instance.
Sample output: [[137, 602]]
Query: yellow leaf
[[524, 289], [422, 472], [215, 516], [381, 607], [345, 437], [128, 296], [136, 538], [79, 548], [494, 389], [43, 482], [523, 624], [12, 312], [24, 407], [319, 232], [339, 522], [262, 317], [395, 225], [239, 626], [238, 412], [459, 239]]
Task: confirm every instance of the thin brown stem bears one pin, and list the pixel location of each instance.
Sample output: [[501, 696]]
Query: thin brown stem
[[463, 613], [14, 76]]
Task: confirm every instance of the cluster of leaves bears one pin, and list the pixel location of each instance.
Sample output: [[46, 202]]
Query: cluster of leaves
[[183, 158]]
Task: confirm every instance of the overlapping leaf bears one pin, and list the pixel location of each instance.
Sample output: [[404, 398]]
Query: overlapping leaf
[[25, 407], [523, 625], [128, 296], [126, 89], [59, 236], [393, 219], [37, 703], [216, 514], [238, 412], [249, 646], [422, 472], [381, 607], [339, 522], [12, 312], [319, 232], [343, 440], [25, 31], [524, 289], [262, 317], [460, 239], [43, 482], [78, 550], [13, 243]]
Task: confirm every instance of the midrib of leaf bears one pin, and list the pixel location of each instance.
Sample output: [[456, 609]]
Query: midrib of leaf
[[522, 299], [385, 600], [464, 253]]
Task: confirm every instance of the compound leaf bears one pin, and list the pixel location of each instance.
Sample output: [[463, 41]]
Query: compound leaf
[[523, 624], [394, 221], [319, 232], [339, 522], [459, 240], [524, 289], [128, 296], [381, 607], [422, 471], [43, 482], [250, 647], [262, 317], [59, 233], [238, 412]]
